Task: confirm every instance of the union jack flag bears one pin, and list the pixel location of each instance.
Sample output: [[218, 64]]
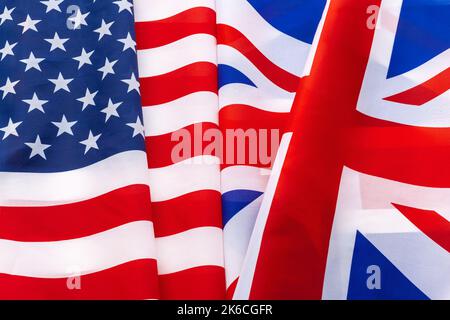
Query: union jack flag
[[357, 206]]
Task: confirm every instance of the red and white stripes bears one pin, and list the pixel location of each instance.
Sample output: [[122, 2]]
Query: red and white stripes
[[91, 238], [178, 74], [251, 45]]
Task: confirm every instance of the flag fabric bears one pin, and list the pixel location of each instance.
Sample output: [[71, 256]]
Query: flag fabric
[[357, 206], [176, 43], [257, 80], [75, 219]]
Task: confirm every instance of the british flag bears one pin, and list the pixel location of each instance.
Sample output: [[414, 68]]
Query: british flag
[[357, 207]]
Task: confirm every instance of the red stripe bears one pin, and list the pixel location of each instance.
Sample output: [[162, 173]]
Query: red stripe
[[199, 76], [152, 34], [408, 154], [69, 221], [200, 283], [159, 148], [424, 92], [228, 35], [131, 280], [189, 211], [429, 222]]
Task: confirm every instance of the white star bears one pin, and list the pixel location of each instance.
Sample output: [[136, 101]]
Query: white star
[[9, 87], [79, 19], [138, 127], [111, 110], [64, 126], [107, 68], [84, 58], [57, 42], [124, 5], [128, 43], [6, 15], [32, 62], [7, 50], [61, 83], [133, 84], [88, 99], [29, 24], [104, 29], [91, 142], [52, 5], [38, 148], [35, 104], [10, 129]]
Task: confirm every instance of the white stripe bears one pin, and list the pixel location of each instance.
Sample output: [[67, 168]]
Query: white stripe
[[67, 258], [275, 45], [244, 178], [238, 93], [150, 10], [47, 189], [194, 174], [164, 59], [189, 249], [245, 281], [197, 107], [236, 234]]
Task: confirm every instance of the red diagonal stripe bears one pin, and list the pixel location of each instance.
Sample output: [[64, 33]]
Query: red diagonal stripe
[[231, 289], [424, 92], [228, 35], [152, 34], [429, 222]]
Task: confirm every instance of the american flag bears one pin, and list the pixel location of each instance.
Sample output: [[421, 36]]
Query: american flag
[[358, 204], [75, 219]]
